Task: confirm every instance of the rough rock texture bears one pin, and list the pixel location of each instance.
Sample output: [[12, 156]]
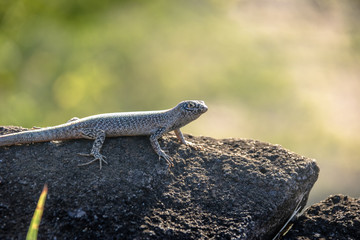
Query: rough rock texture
[[233, 188], [337, 217]]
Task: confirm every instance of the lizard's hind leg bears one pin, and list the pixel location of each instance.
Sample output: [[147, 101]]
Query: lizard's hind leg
[[99, 136]]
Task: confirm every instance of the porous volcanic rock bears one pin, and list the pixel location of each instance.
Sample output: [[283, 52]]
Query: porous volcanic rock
[[231, 188], [337, 217]]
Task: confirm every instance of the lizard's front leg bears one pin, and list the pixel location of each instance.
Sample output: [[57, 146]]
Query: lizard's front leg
[[99, 136], [181, 138], [156, 146]]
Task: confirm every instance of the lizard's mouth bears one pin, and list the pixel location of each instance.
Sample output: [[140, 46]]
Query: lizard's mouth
[[203, 107]]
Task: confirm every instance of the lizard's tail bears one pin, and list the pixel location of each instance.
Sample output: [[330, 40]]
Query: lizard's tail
[[38, 135]]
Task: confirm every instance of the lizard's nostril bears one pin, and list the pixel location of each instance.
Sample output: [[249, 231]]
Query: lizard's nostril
[[205, 108]]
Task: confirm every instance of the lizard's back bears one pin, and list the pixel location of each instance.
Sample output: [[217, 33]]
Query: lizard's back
[[127, 123], [114, 124]]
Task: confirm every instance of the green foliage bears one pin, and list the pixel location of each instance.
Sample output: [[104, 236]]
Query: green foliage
[[84, 57], [264, 69]]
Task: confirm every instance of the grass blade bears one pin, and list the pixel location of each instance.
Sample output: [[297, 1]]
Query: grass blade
[[35, 221]]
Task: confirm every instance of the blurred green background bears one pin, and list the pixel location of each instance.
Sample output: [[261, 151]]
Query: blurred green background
[[285, 72]]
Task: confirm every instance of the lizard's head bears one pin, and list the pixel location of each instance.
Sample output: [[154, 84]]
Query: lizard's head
[[191, 110], [186, 112], [193, 107]]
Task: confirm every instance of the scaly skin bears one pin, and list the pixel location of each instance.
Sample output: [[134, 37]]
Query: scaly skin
[[98, 127]]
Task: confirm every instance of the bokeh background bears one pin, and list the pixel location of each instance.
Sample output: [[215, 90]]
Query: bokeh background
[[284, 72]]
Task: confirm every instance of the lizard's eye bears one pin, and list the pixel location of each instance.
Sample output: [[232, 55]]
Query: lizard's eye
[[190, 106]]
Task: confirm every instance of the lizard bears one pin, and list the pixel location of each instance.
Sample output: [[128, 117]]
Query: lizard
[[98, 127]]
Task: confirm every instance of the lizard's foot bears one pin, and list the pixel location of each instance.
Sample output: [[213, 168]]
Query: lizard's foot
[[194, 146], [97, 156], [167, 158]]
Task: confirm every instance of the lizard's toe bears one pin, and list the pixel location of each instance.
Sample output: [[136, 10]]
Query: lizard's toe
[[85, 154], [168, 159], [97, 156], [194, 146], [103, 160]]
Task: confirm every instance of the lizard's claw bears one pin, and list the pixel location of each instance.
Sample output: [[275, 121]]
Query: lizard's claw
[[167, 158], [97, 156]]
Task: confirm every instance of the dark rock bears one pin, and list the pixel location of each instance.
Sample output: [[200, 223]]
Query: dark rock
[[337, 217], [233, 188]]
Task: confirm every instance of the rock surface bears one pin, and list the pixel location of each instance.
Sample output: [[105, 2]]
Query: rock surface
[[337, 217], [233, 188]]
